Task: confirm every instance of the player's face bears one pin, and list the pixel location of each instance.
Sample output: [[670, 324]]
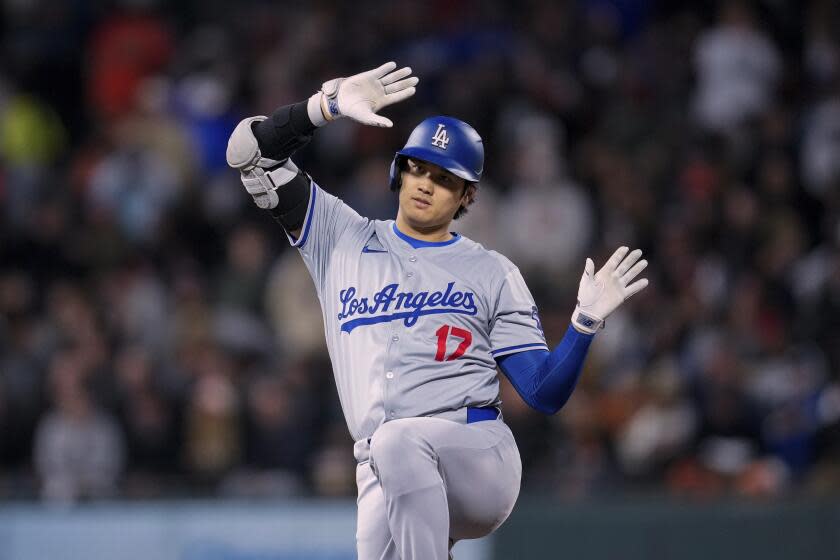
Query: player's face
[[430, 195]]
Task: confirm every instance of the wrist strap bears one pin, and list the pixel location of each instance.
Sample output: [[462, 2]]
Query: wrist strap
[[329, 99], [585, 322], [314, 111]]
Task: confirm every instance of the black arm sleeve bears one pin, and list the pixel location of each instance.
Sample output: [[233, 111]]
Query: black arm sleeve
[[290, 212], [287, 130]]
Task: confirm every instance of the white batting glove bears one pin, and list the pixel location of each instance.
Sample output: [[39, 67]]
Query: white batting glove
[[359, 97], [600, 294]]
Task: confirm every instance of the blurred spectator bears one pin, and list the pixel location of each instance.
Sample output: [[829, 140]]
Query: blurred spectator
[[134, 187], [547, 218], [821, 55], [78, 448], [137, 305], [21, 369], [333, 472], [212, 439], [148, 417], [242, 279], [32, 135], [662, 428], [124, 49], [280, 436], [581, 457], [820, 150], [31, 138], [289, 294], [367, 192], [738, 68]]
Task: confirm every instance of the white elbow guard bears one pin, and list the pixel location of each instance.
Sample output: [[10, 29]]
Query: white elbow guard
[[243, 152]]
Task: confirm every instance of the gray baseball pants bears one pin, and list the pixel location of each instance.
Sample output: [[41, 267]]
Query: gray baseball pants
[[425, 483]]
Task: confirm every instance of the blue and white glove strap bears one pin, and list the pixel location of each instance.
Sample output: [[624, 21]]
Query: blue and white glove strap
[[329, 99], [313, 110], [585, 322]]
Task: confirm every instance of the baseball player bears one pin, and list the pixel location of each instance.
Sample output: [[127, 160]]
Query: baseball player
[[418, 318]]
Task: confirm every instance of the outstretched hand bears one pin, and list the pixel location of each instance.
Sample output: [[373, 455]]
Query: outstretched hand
[[361, 96], [601, 293]]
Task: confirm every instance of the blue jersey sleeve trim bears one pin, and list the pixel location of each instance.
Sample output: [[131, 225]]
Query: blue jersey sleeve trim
[[546, 380], [520, 347], [307, 222], [420, 244]]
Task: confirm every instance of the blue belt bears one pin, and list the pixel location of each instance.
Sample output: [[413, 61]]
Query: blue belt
[[480, 413]]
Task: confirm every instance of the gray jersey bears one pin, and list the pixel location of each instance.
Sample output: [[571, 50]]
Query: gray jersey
[[413, 328]]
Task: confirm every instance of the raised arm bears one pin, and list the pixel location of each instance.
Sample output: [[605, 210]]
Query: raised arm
[[545, 380], [260, 147]]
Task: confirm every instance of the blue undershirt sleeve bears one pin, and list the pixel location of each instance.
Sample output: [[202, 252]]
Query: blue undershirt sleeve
[[546, 380]]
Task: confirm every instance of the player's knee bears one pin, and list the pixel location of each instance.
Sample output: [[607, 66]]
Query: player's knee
[[392, 443]]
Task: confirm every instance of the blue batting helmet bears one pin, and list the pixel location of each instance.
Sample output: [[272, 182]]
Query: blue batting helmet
[[446, 142]]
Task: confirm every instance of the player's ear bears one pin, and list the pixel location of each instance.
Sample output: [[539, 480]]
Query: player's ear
[[469, 194], [467, 199]]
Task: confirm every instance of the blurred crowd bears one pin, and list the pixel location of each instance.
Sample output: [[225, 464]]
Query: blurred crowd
[[158, 338]]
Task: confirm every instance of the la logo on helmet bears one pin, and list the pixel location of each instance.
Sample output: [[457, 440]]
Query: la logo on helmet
[[440, 139]]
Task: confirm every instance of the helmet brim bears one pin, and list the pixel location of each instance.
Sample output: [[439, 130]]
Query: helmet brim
[[441, 160]]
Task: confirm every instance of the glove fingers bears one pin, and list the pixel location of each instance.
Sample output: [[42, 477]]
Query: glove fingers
[[401, 85], [629, 261], [633, 272], [392, 98], [589, 269], [616, 258], [382, 70], [635, 287], [395, 76]]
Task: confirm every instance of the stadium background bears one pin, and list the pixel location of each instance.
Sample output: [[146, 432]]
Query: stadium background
[[160, 342]]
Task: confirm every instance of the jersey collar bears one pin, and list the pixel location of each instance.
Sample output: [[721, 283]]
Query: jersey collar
[[420, 244]]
